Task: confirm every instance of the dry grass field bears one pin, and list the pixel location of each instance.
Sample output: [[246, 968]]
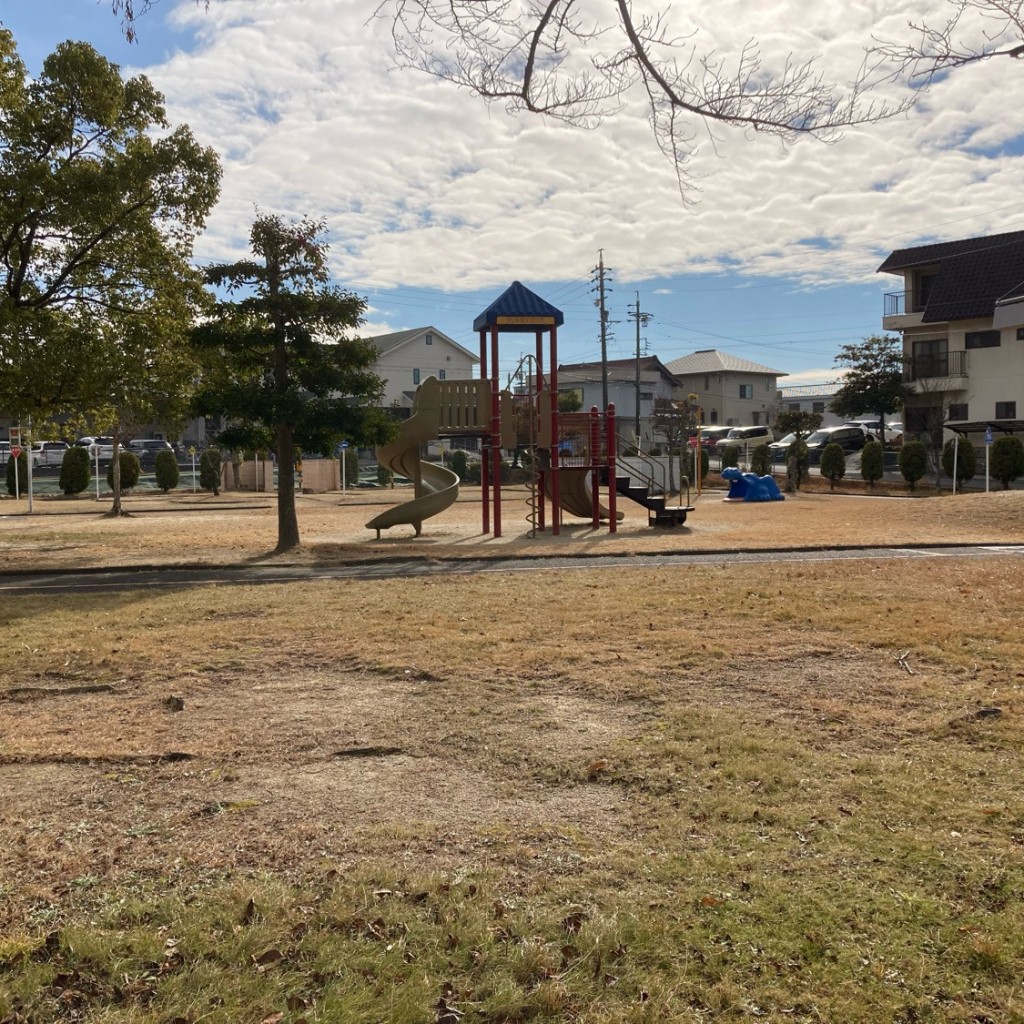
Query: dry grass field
[[774, 792]]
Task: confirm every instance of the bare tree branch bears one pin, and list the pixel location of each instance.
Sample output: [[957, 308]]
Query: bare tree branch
[[547, 57], [975, 31]]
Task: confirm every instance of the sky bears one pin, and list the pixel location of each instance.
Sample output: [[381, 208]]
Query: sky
[[435, 202]]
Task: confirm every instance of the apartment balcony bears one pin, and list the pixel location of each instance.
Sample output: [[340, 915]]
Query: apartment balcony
[[901, 310], [936, 369]]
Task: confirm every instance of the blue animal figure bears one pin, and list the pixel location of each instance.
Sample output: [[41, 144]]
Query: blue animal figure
[[750, 486]]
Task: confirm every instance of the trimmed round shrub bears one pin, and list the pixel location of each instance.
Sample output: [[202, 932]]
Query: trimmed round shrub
[[75, 470], [833, 464], [705, 464], [798, 460], [872, 462], [966, 460], [458, 463], [730, 456], [209, 470], [761, 460], [1007, 460], [913, 460], [351, 457], [19, 465], [384, 476], [131, 470], [166, 469]]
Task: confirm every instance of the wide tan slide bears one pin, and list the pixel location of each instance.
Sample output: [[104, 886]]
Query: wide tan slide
[[576, 495], [436, 487]]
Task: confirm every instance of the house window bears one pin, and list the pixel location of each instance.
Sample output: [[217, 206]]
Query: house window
[[646, 396], [981, 339], [767, 383], [958, 411], [755, 419], [746, 391], [931, 358], [818, 407], [429, 339], [1020, 333], [1006, 410], [707, 383], [440, 374], [415, 376], [793, 407]]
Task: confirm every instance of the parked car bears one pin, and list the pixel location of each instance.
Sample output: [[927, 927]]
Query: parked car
[[709, 436], [98, 446], [146, 448], [893, 431], [850, 437], [48, 453], [745, 437]]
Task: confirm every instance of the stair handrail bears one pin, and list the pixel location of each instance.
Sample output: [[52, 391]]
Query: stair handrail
[[657, 468]]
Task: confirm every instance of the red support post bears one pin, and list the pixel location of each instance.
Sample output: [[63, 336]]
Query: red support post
[[595, 467], [612, 521], [495, 431], [484, 478], [556, 502], [539, 413]]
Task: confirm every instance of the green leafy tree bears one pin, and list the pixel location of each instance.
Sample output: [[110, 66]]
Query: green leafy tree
[[130, 467], [761, 460], [966, 460], [873, 382], [351, 457], [19, 466], [1007, 460], [913, 459], [872, 462], [570, 401], [209, 471], [166, 470], [75, 470], [801, 423], [833, 464], [458, 463], [279, 362], [100, 202]]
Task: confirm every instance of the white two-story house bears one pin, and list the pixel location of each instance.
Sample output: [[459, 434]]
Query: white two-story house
[[960, 313], [407, 358]]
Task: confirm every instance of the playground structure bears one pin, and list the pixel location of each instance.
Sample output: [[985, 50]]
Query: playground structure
[[574, 454]]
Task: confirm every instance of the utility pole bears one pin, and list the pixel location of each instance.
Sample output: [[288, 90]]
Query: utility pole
[[600, 271], [641, 319]]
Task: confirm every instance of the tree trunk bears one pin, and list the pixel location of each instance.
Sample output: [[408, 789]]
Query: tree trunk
[[115, 472], [287, 520]]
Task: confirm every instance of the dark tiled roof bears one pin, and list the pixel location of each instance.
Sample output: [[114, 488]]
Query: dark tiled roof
[[647, 363], [922, 255], [972, 274]]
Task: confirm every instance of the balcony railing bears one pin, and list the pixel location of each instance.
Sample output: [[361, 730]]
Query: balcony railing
[[946, 364], [894, 303]]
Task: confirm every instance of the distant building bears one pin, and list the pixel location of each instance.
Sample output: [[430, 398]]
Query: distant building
[[731, 391], [408, 357], [630, 401], [811, 398], [960, 312]]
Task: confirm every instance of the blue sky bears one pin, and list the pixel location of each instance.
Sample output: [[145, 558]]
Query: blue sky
[[435, 202]]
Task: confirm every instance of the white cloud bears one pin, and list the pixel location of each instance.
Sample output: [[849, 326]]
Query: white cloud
[[422, 185]]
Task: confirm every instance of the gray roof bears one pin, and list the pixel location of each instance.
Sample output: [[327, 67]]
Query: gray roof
[[389, 342], [710, 360]]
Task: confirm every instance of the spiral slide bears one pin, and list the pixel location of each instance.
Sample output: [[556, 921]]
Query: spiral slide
[[436, 487]]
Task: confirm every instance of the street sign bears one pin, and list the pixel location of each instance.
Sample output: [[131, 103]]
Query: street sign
[[15, 451], [344, 444], [988, 435]]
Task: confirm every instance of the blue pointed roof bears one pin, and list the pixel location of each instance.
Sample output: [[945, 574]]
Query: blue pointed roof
[[519, 309]]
